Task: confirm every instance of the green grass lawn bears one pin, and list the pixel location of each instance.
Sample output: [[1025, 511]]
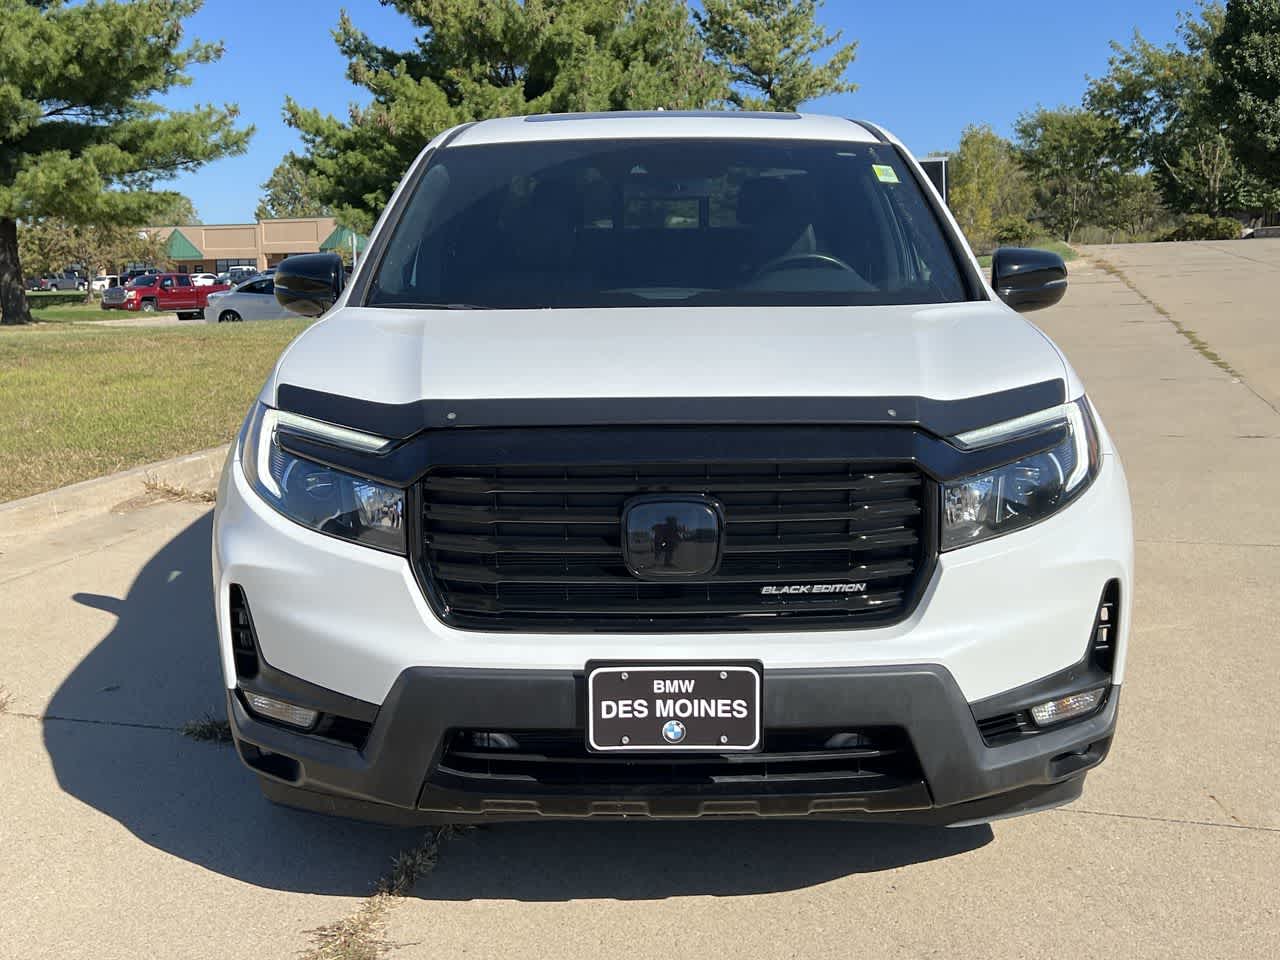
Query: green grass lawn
[[74, 313], [80, 401]]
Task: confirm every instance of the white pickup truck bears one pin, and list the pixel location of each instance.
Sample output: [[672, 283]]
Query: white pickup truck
[[672, 465]]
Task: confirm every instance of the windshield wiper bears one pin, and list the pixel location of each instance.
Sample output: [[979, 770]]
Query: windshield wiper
[[423, 305]]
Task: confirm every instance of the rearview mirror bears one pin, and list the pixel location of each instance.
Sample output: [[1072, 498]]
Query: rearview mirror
[[1028, 279], [310, 283]]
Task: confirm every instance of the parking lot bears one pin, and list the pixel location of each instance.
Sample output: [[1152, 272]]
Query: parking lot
[[123, 838]]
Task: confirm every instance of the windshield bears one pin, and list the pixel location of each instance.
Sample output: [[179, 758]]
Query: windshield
[[644, 222]]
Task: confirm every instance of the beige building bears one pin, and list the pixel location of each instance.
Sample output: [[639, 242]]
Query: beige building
[[215, 247]]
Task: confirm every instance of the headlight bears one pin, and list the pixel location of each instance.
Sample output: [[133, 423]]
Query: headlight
[[330, 501], [1026, 491]]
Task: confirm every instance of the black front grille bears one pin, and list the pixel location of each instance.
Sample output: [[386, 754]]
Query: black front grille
[[801, 761], [541, 547]]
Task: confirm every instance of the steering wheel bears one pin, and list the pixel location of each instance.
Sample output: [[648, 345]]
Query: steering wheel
[[825, 259]]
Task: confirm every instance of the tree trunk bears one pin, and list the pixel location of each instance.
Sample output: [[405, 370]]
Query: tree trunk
[[13, 296]]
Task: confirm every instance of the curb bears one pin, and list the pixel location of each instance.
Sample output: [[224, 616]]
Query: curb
[[197, 471]]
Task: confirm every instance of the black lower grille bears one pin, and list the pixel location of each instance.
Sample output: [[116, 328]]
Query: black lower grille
[[244, 642], [803, 761], [1105, 625], [541, 547]]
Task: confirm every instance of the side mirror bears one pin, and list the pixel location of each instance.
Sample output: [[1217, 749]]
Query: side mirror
[[309, 284], [1028, 279]]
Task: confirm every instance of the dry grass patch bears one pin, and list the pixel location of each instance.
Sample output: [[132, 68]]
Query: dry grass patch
[[208, 728], [362, 936], [176, 492]]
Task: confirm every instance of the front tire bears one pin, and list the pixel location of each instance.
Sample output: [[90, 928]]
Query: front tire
[[148, 306], [229, 316]]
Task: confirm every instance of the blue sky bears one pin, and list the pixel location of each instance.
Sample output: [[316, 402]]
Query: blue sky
[[925, 69]]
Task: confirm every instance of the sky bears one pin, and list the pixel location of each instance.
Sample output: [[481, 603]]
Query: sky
[[925, 69]]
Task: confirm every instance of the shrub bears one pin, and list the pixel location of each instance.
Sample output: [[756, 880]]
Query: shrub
[[1013, 231], [36, 300], [1201, 226]]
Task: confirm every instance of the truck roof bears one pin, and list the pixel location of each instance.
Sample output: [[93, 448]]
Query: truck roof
[[663, 124]]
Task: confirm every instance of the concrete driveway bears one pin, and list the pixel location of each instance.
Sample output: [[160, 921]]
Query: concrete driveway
[[119, 837]]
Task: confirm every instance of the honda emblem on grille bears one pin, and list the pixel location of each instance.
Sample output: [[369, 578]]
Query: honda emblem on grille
[[672, 537]]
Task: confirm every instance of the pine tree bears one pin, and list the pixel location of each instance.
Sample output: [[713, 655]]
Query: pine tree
[[769, 46], [81, 138], [476, 59]]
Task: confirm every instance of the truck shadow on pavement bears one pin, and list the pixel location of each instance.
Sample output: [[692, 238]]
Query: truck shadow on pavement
[[111, 731]]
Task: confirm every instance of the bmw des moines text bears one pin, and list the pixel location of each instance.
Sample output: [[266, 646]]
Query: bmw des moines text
[[672, 465]]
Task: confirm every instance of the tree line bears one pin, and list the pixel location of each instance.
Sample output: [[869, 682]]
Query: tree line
[[82, 141], [1192, 128], [474, 59], [1173, 142]]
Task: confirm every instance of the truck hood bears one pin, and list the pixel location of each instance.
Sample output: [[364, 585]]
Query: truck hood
[[941, 352]]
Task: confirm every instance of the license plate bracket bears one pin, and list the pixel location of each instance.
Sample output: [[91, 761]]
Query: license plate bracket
[[674, 707]]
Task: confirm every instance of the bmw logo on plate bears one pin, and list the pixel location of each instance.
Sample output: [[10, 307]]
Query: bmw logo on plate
[[673, 731]]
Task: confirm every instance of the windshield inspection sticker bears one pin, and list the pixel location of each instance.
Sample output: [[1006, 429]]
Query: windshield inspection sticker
[[884, 173]]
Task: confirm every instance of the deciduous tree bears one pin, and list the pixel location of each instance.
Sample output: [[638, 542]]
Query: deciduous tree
[[1163, 102], [81, 137], [290, 191], [178, 211], [1246, 53], [1130, 204], [770, 48], [52, 244], [1066, 154], [987, 185]]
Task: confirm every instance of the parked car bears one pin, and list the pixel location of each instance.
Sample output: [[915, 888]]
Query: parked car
[[204, 279], [167, 292], [130, 275], [254, 299], [239, 274], [113, 297], [737, 491], [67, 280], [102, 281]]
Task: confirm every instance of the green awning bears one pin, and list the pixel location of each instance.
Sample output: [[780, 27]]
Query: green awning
[[340, 240], [178, 247]]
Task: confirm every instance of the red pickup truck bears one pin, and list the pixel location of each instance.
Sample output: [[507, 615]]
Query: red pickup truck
[[172, 292]]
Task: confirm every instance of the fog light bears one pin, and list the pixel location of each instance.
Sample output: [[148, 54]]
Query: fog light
[[494, 741], [289, 713], [1065, 708]]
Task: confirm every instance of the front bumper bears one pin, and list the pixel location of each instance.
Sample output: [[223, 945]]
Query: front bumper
[[347, 629], [393, 778]]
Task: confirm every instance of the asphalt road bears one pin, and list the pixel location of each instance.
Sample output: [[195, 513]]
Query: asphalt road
[[119, 837]]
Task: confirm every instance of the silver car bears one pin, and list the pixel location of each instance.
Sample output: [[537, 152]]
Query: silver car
[[254, 299]]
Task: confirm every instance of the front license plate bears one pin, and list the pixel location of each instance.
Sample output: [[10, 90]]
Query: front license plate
[[712, 708]]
